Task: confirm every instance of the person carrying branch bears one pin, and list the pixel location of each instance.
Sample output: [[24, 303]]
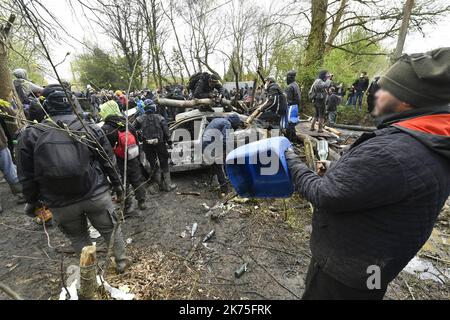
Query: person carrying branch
[[66, 168], [370, 221]]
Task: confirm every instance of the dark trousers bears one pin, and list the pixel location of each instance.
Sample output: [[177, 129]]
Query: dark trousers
[[217, 169], [320, 286], [319, 107], [157, 152], [134, 177]]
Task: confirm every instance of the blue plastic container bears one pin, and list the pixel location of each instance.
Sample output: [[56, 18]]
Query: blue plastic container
[[259, 169]]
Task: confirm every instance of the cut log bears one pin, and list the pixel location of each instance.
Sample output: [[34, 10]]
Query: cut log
[[309, 152], [88, 274], [196, 103], [332, 155]]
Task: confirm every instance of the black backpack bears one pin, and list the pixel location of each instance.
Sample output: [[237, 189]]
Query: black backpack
[[151, 127], [62, 164], [193, 80]]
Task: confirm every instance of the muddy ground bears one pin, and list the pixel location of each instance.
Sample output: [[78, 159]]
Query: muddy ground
[[271, 236]]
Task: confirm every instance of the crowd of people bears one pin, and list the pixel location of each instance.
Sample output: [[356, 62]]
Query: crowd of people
[[75, 159]]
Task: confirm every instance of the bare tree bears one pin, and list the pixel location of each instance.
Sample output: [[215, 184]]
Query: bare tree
[[5, 77], [407, 11]]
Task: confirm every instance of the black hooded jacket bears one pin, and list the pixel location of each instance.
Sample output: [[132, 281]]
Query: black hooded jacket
[[276, 100], [33, 191], [378, 204], [293, 91], [203, 90]]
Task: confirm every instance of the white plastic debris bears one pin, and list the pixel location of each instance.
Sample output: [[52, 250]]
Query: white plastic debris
[[73, 286], [129, 241], [205, 206], [194, 229], [93, 233], [425, 270]]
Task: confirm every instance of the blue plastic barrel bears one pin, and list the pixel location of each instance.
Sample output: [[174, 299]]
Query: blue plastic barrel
[[260, 170]]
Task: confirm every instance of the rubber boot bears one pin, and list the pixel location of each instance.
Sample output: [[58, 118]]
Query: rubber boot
[[313, 125], [122, 266], [321, 123], [128, 209], [16, 188], [29, 210], [168, 186], [141, 204], [158, 179]]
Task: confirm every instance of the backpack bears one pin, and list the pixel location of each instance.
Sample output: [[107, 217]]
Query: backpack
[[62, 164], [193, 80], [312, 92], [151, 128], [133, 148]]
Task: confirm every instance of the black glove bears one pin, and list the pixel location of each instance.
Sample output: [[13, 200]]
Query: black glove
[[291, 155], [169, 143]]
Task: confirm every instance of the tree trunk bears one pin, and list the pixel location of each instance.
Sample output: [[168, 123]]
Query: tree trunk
[[5, 74], [407, 10], [315, 47], [336, 25]]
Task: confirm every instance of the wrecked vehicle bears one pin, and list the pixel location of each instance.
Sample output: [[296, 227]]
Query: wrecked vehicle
[[187, 132]]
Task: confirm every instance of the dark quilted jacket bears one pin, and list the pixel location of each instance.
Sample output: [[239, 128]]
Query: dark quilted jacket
[[378, 204]]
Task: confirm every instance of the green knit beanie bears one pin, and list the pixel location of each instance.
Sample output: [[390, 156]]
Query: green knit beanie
[[422, 79]]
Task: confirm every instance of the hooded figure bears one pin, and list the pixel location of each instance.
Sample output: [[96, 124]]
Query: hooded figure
[[373, 219], [109, 108], [274, 109], [219, 128], [318, 95], [293, 97], [26, 90], [205, 86]]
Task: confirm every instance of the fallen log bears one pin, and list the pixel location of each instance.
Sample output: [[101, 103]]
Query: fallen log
[[196, 103], [186, 104], [88, 274], [353, 127]]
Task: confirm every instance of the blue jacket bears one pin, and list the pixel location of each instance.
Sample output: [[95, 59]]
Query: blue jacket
[[218, 124]]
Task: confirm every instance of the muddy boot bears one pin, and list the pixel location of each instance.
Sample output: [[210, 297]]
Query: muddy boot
[[158, 179], [215, 182], [321, 123], [141, 204], [20, 199], [16, 188], [128, 210], [313, 125], [168, 186], [224, 189]]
